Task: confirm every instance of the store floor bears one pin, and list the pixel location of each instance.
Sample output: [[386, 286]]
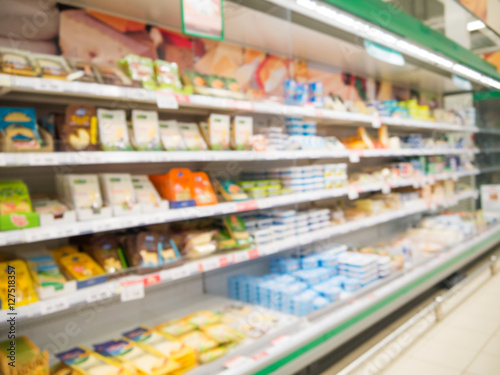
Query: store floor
[[466, 342]]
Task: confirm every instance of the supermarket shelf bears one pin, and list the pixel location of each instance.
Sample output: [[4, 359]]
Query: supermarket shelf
[[331, 330], [26, 159], [112, 289], [488, 131], [31, 235], [494, 168], [57, 91], [489, 150]]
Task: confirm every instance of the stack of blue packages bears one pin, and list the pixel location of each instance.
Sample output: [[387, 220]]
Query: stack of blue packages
[[363, 267], [312, 277], [320, 302], [301, 304], [237, 286], [329, 290], [309, 262], [284, 265]]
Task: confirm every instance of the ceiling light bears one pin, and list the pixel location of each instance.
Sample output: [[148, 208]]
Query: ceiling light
[[475, 25]]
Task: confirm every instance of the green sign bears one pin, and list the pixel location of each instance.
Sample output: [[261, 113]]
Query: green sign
[[203, 18]]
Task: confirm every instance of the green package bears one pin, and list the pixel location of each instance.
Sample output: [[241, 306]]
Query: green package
[[139, 69]]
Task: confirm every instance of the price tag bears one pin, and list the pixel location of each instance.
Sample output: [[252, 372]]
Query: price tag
[[152, 279], [223, 262], [35, 234], [260, 355], [376, 122], [5, 80], [166, 100], [246, 206], [253, 253], [132, 290], [54, 305], [3, 160], [353, 194], [209, 265], [283, 339], [179, 273], [354, 157], [237, 362], [98, 294], [240, 256], [53, 85], [386, 189], [43, 158]]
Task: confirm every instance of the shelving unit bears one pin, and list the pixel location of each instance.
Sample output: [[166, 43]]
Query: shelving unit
[[95, 305]]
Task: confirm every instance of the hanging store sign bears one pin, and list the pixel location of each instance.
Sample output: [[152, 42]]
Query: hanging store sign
[[384, 54], [203, 18]]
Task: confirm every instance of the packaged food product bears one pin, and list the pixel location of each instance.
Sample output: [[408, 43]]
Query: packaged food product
[[145, 192], [171, 137], [18, 127], [383, 136], [79, 131], [87, 362], [45, 272], [231, 191], [176, 186], [175, 328], [17, 62], [195, 79], [199, 341], [140, 359], [154, 340], [236, 228], [139, 69], [60, 252], [83, 71], [51, 66], [83, 191], [104, 248], [28, 358], [218, 135], [192, 137], [203, 318], [113, 75], [144, 250], [241, 133], [14, 197], [16, 280], [203, 191], [118, 189], [212, 354], [145, 130], [80, 266], [224, 240], [49, 206], [113, 132], [167, 75], [221, 333]]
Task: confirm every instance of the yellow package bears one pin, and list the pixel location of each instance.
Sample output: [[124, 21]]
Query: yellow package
[[212, 354], [154, 341], [16, 284], [87, 362], [175, 328], [203, 318], [198, 341], [221, 333], [81, 266], [28, 358], [133, 356]]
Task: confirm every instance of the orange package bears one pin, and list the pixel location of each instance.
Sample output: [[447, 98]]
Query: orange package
[[176, 186], [203, 191]]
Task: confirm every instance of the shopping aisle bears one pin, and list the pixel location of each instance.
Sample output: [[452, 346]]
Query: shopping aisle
[[466, 342]]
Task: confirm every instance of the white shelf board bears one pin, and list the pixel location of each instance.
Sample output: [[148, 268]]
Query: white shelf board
[[25, 159], [47, 90], [111, 289]]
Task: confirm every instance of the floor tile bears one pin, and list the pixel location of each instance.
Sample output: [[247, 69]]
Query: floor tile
[[493, 346], [485, 364], [464, 337], [412, 366], [448, 355], [478, 324]]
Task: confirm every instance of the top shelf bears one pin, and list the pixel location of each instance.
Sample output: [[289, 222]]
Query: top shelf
[[40, 90]]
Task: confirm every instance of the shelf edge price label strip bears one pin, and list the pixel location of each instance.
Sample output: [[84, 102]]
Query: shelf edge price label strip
[[166, 100], [132, 290], [54, 305]]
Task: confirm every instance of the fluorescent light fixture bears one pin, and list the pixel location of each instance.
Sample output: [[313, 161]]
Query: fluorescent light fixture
[[475, 25], [353, 25]]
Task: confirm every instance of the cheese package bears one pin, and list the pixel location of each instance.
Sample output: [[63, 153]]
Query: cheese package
[[176, 186], [139, 69], [221, 333], [80, 266], [51, 66], [136, 357], [45, 272], [82, 191], [79, 130], [145, 191], [16, 281], [113, 75], [154, 341], [192, 137], [203, 318], [28, 358], [113, 132], [203, 191], [83, 71], [14, 197], [171, 137], [87, 362], [104, 248], [167, 75], [241, 133], [212, 354], [199, 341], [118, 189], [145, 130], [60, 252], [19, 128], [218, 132], [49, 206], [231, 191], [236, 228], [17, 62], [144, 250], [175, 328]]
